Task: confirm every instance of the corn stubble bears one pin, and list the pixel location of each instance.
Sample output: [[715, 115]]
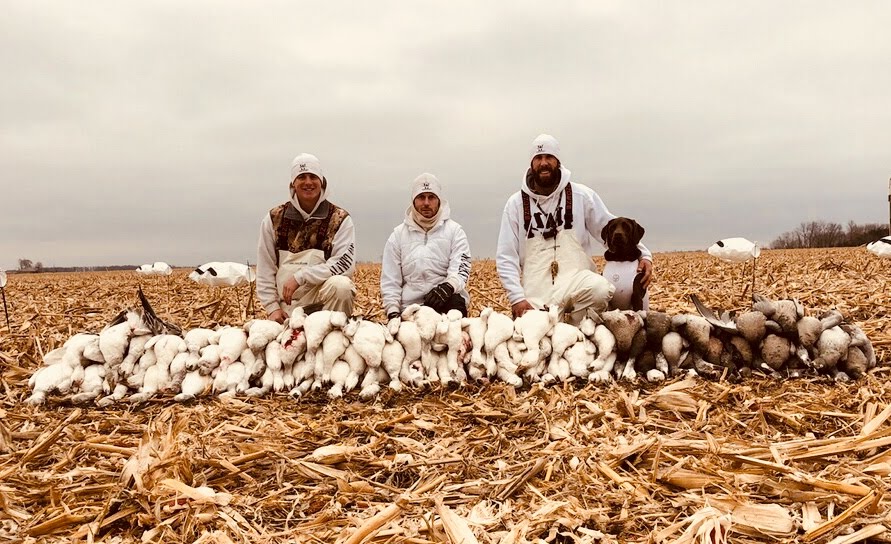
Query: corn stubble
[[683, 461]]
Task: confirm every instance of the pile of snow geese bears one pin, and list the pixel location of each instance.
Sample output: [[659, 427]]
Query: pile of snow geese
[[138, 356]]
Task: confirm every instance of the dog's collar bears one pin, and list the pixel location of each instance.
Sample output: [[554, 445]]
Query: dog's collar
[[632, 254]]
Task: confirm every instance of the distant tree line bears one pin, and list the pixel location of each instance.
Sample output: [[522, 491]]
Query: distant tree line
[[827, 234], [27, 265]]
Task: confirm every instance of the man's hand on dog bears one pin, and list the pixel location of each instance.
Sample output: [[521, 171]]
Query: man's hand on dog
[[646, 267]]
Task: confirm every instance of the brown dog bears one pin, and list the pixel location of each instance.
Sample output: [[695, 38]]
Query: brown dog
[[621, 236]]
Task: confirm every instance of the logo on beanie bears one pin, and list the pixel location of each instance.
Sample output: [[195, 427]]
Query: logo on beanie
[[303, 167], [426, 186], [541, 147]]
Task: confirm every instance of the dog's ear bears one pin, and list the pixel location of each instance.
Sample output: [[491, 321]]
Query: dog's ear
[[637, 231], [608, 229]]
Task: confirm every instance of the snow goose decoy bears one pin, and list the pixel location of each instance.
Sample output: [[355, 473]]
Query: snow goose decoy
[[881, 247], [227, 274], [158, 268], [220, 274], [736, 250]]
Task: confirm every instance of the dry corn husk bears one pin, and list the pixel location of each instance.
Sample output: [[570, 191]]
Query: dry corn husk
[[707, 525], [334, 454], [770, 520], [197, 495], [455, 526]]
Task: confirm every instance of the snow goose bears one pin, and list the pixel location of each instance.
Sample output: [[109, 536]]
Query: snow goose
[[410, 339], [333, 346], [392, 360], [194, 384], [476, 329], [453, 339], [367, 338], [580, 357], [316, 327], [55, 375], [563, 336], [199, 337], [429, 322], [532, 327], [261, 332], [499, 329]]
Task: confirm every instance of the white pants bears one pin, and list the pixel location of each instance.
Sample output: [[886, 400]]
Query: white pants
[[335, 293], [582, 291], [575, 289]]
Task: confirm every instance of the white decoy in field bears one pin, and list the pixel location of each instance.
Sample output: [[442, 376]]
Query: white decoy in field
[[737, 250], [226, 274], [158, 268], [881, 247], [223, 274]]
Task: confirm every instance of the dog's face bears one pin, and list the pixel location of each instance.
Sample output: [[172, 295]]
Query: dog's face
[[621, 233]]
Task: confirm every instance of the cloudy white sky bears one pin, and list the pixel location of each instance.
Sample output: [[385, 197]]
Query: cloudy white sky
[[139, 131]]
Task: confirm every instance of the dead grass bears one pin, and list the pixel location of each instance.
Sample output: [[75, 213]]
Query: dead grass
[[787, 461]]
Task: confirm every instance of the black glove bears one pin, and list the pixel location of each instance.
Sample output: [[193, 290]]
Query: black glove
[[439, 295], [391, 315]]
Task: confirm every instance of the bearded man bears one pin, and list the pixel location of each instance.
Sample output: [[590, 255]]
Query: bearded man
[[550, 229]]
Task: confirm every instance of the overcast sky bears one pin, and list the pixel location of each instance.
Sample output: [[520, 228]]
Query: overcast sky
[[139, 131]]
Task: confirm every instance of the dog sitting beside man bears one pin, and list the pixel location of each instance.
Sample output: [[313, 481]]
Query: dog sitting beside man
[[622, 236]]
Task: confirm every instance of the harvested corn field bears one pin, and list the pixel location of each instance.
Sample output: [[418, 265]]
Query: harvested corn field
[[761, 460]]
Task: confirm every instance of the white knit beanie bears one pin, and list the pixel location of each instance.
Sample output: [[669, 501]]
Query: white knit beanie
[[426, 183], [305, 163], [545, 144]]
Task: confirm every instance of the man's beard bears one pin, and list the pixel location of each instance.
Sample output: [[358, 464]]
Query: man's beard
[[546, 185]]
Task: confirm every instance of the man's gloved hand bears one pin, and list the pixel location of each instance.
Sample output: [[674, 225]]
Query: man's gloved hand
[[393, 322], [439, 295]]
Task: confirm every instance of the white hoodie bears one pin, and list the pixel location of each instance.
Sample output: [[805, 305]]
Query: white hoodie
[[589, 216], [342, 260], [415, 261]]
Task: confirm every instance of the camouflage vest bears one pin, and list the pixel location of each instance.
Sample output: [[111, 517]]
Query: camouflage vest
[[295, 234]]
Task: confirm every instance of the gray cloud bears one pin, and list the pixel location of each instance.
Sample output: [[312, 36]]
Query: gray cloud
[[164, 130]]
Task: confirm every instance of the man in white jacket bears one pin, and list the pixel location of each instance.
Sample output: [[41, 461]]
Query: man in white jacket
[[550, 230], [306, 250], [426, 258]]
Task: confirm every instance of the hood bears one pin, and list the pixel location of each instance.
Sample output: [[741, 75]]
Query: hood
[[445, 212], [322, 198], [542, 200]]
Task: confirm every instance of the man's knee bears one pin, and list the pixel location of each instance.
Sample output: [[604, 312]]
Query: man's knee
[[591, 290], [340, 288]]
